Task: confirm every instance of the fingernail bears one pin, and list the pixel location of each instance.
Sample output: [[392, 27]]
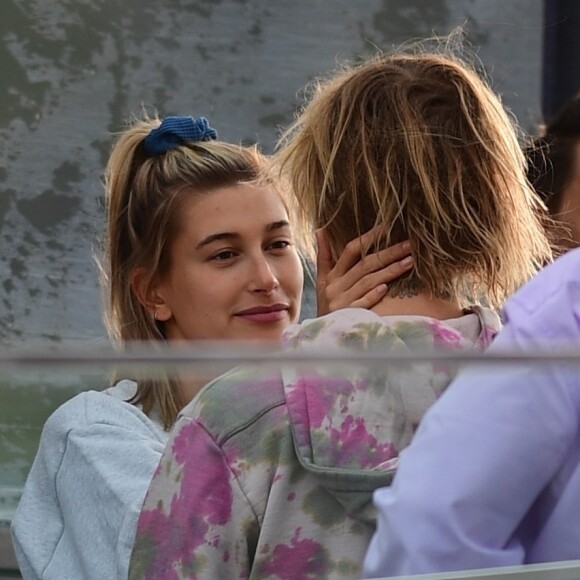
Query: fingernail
[[406, 245], [382, 289], [407, 262]]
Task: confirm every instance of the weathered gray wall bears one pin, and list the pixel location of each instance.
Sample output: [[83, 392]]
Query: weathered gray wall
[[73, 71]]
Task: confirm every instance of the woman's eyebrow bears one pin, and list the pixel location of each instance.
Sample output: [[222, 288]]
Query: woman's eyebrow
[[277, 225], [234, 236], [217, 237]]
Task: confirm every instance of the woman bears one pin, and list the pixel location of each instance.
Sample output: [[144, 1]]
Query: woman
[[279, 484], [187, 257]]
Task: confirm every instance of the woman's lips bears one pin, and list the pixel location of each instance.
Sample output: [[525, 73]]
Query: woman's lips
[[272, 313]]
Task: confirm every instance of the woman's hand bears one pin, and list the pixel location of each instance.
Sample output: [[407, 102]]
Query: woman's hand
[[355, 281]]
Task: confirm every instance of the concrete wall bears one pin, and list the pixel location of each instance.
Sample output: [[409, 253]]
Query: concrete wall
[[74, 71]]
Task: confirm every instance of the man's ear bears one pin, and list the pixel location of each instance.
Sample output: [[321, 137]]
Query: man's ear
[[148, 293]]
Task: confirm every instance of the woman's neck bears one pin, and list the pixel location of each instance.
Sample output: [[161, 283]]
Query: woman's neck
[[423, 304], [190, 386]]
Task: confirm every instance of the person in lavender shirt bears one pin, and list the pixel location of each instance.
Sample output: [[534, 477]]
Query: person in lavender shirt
[[492, 477]]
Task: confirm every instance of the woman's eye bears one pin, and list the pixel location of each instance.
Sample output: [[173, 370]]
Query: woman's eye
[[280, 245], [223, 256]]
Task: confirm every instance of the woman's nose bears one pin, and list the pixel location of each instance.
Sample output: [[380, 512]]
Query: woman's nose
[[263, 277]]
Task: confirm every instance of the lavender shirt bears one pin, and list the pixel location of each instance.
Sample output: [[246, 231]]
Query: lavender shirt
[[492, 477]]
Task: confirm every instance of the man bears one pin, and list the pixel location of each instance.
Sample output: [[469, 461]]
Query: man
[[492, 477]]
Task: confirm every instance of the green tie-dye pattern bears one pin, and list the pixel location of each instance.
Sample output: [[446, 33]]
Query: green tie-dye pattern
[[309, 331], [323, 508], [304, 452]]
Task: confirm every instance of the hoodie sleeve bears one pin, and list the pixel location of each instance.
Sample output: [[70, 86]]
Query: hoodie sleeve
[[485, 452], [79, 508], [195, 520]]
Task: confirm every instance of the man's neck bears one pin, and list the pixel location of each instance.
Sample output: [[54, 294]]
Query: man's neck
[[423, 304]]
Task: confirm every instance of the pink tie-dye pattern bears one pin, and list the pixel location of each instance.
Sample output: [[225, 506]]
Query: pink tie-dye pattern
[[486, 337], [445, 336], [198, 504], [301, 559], [313, 409], [313, 397], [355, 446], [319, 402]]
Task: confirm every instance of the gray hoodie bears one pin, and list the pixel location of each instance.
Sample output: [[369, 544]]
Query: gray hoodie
[[80, 504]]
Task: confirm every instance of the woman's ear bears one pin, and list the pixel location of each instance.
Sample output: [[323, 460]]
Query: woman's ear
[[147, 291]]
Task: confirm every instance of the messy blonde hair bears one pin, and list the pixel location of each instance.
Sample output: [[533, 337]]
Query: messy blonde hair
[[418, 144], [144, 197]]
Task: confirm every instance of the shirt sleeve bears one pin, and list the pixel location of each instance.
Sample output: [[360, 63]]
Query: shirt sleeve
[[479, 460], [196, 520], [82, 498]]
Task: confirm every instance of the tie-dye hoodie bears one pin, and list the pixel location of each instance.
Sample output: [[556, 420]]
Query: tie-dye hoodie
[[270, 474]]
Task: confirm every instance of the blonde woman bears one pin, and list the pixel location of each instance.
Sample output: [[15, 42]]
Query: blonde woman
[[187, 257], [271, 475]]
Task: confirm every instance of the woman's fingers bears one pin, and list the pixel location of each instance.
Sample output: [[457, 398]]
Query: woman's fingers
[[383, 258], [368, 290], [356, 281], [379, 261], [358, 247], [382, 277], [371, 298]]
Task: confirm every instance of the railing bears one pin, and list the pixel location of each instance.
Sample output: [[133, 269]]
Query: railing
[[33, 382], [553, 571]]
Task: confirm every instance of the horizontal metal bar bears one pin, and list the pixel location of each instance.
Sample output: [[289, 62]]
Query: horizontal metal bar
[[234, 354]]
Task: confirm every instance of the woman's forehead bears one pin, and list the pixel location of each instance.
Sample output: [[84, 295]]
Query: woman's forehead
[[236, 209]]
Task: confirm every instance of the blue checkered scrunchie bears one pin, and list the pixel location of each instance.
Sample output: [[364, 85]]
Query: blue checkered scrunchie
[[174, 131]]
